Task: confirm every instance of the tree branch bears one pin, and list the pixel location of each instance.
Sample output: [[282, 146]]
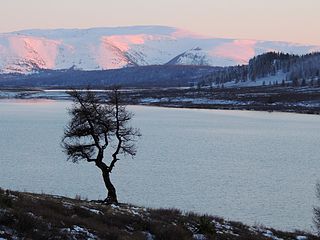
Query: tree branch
[[115, 154], [93, 134]]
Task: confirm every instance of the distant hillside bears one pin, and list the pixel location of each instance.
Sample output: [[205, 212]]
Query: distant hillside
[[30, 51], [267, 69], [148, 76], [271, 68]]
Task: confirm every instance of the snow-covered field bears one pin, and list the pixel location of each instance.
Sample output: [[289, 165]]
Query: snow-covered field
[[265, 81]]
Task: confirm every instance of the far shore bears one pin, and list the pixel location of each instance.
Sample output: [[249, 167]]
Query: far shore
[[269, 99]]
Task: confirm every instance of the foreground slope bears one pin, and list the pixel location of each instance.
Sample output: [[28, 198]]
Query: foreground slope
[[35, 216], [112, 48]]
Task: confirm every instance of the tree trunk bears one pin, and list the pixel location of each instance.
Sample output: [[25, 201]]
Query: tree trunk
[[112, 195]]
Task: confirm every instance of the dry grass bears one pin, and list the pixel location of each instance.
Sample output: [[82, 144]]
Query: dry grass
[[40, 216]]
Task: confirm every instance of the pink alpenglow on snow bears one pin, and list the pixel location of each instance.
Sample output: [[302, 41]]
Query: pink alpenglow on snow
[[110, 54], [123, 42], [239, 50], [42, 51], [111, 48]]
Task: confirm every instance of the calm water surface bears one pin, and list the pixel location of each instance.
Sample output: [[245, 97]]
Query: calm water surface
[[255, 167]]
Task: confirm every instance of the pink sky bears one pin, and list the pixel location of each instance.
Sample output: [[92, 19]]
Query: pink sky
[[287, 20]]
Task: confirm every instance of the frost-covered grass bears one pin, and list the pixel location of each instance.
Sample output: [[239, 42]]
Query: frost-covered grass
[[40, 216]]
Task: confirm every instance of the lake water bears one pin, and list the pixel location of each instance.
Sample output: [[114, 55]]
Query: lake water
[[255, 167]]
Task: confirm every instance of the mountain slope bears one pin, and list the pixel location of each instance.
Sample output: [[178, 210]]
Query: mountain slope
[[112, 48]]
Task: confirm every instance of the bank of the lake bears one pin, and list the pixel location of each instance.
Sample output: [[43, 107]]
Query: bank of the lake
[[41, 216]]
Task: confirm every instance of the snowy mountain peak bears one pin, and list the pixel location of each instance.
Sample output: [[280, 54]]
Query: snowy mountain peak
[[194, 56], [111, 48]]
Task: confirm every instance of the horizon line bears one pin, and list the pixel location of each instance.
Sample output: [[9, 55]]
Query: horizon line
[[159, 26]]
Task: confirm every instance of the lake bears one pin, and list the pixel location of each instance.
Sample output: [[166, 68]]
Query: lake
[[255, 167]]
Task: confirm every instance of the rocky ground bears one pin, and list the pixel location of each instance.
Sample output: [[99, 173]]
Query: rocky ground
[[40, 216]]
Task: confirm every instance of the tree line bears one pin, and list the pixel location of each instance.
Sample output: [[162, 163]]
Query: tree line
[[299, 70]]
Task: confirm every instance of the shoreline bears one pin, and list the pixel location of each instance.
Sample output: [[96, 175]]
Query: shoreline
[[266, 99], [232, 108], [197, 107]]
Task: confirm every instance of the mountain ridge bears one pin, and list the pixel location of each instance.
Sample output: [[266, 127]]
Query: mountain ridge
[[28, 51]]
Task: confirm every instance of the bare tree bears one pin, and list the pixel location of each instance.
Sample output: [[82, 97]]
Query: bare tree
[[96, 126]]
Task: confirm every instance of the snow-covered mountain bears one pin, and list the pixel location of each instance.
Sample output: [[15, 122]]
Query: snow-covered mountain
[[111, 48]]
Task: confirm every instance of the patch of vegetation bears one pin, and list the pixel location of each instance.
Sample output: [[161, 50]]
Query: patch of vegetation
[[5, 200], [40, 216], [206, 226]]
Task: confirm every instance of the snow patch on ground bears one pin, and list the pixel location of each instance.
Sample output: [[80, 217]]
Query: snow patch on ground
[[270, 80], [224, 228], [131, 210], [199, 101], [95, 211], [149, 236], [67, 205], [114, 206], [199, 237], [8, 232], [269, 234], [306, 104], [301, 238], [77, 231]]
